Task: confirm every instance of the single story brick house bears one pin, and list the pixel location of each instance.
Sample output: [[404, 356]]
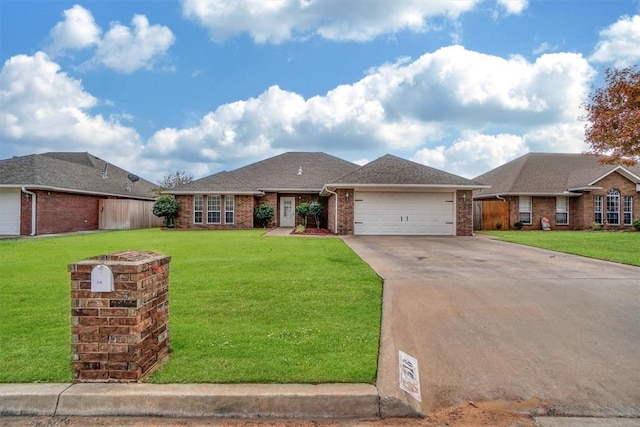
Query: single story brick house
[[62, 192], [389, 196], [573, 191]]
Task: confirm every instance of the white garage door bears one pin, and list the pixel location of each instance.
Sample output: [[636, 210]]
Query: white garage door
[[9, 211], [404, 213]]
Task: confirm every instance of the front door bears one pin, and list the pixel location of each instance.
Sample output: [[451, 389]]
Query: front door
[[287, 212]]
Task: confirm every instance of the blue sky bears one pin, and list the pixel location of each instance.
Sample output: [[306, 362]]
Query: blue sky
[[203, 86]]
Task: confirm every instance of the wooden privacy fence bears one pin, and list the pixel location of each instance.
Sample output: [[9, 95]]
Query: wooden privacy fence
[[492, 212], [125, 214]]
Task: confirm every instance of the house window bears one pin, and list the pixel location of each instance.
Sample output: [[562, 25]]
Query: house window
[[628, 210], [197, 209], [562, 210], [213, 209], [228, 209], [524, 210], [613, 207], [598, 202]]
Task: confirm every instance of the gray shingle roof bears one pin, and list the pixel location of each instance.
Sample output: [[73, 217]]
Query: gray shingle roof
[[73, 172], [392, 170], [293, 171], [303, 171], [222, 182], [545, 173]]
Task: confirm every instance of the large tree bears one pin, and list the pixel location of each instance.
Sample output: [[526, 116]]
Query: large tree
[[613, 117]]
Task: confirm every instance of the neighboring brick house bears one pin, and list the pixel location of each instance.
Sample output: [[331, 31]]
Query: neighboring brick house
[[387, 196], [61, 192], [573, 191]]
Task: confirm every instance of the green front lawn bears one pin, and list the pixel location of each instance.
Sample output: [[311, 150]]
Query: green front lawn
[[243, 307], [622, 247]]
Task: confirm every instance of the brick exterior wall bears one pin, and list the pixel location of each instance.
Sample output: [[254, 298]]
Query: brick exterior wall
[[345, 211], [120, 336], [464, 213], [581, 208], [243, 214], [58, 212], [244, 206]]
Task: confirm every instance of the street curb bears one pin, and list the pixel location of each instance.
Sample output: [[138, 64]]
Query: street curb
[[192, 400]]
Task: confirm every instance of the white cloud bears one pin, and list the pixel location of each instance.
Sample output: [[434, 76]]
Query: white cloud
[[620, 43], [514, 7], [277, 21], [45, 109], [473, 153], [122, 49], [406, 107], [126, 50], [78, 30]]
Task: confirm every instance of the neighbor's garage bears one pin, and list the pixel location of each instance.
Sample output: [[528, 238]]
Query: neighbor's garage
[[379, 213], [9, 211]]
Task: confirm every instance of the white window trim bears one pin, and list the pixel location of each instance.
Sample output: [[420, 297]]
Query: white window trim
[[625, 211], [227, 210], [565, 207], [598, 208], [613, 194], [525, 209], [219, 210], [196, 210]]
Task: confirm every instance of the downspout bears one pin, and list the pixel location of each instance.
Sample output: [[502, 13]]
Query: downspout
[[336, 212], [33, 210], [499, 197]]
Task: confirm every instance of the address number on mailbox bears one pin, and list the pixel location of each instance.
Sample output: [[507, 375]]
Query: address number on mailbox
[[101, 279]]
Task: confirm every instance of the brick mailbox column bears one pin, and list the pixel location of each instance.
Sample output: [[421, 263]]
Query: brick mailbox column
[[120, 315]]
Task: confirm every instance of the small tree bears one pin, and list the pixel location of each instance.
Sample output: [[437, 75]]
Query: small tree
[[166, 207], [263, 213], [315, 210], [303, 211], [174, 179], [613, 117]]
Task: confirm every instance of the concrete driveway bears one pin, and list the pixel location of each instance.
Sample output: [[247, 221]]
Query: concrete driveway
[[489, 320]]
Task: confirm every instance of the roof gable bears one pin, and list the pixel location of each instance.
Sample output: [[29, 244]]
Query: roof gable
[[392, 170], [73, 172]]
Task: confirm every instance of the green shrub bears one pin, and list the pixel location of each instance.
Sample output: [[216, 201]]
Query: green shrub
[[303, 211], [636, 224], [518, 225], [263, 214], [315, 210], [166, 207]]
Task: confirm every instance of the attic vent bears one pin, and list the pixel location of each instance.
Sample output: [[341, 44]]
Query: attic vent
[[104, 172], [300, 171]]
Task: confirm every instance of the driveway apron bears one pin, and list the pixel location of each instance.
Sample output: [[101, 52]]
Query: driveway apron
[[489, 320]]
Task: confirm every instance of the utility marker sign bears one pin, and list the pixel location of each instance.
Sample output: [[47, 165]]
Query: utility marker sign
[[409, 376]]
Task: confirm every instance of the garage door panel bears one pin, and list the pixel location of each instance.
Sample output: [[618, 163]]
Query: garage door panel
[[9, 211], [403, 213]]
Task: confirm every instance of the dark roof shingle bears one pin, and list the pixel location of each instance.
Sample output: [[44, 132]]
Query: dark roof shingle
[[73, 172], [545, 173], [392, 170]]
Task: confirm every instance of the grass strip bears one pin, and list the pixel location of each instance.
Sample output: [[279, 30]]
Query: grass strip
[[622, 247]]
